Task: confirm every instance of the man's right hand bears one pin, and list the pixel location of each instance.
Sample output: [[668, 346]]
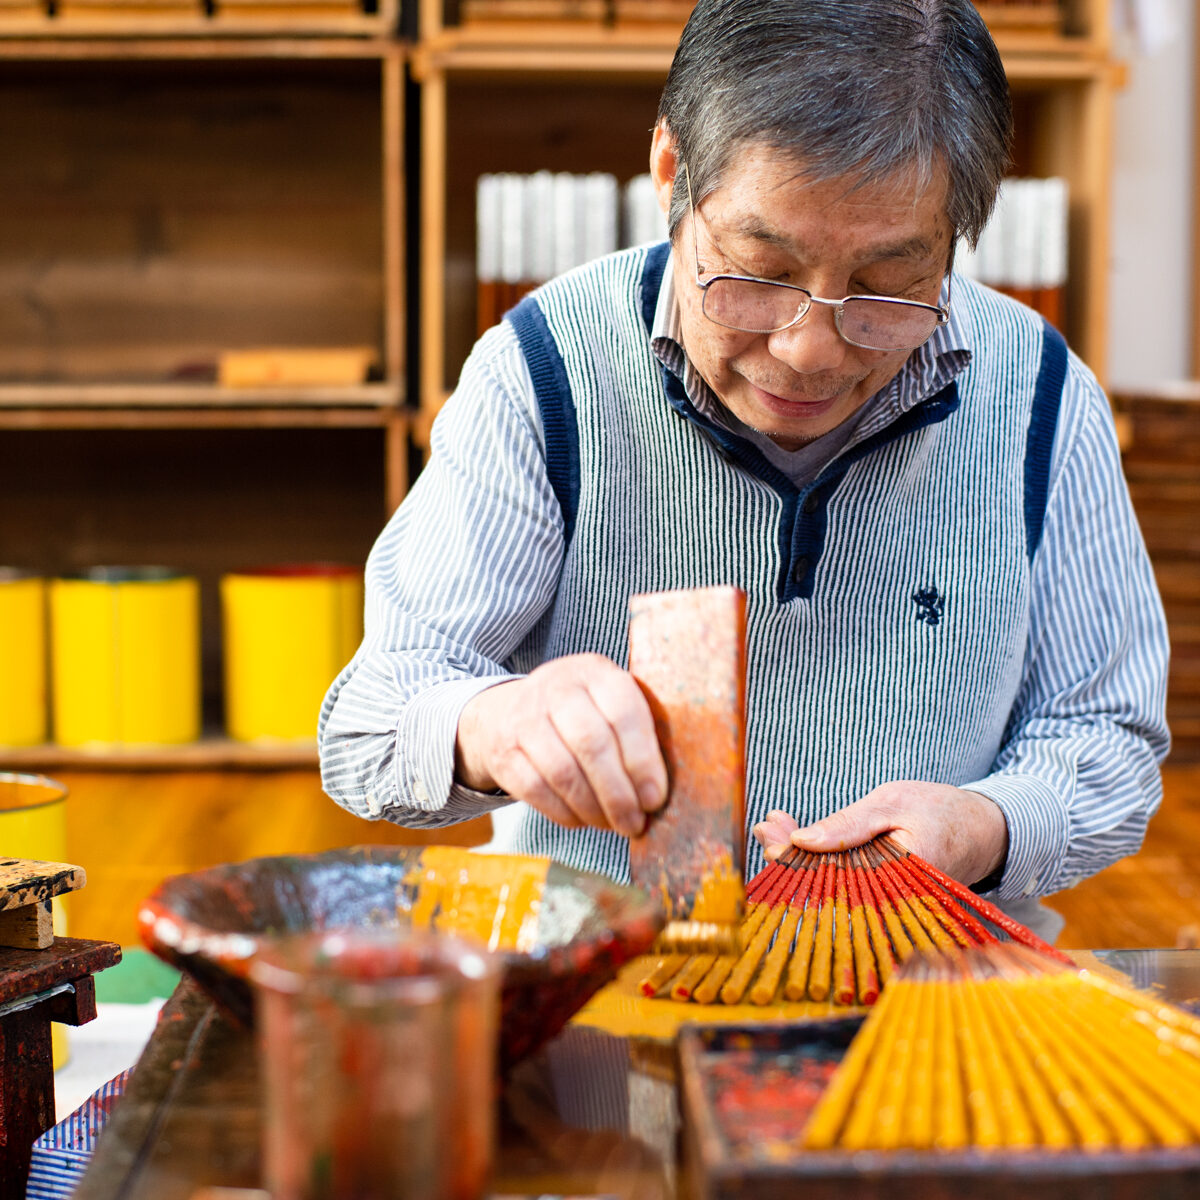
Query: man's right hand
[[575, 739]]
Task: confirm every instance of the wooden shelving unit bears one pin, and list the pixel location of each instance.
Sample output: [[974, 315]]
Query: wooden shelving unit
[[181, 187], [544, 83], [169, 194]]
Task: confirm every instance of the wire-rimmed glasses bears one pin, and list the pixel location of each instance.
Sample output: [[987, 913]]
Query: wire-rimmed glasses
[[753, 305]]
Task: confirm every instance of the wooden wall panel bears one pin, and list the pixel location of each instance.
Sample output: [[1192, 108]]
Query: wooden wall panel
[[1162, 465], [156, 213]]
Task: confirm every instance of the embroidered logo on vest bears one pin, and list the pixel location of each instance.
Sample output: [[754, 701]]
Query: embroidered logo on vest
[[930, 603]]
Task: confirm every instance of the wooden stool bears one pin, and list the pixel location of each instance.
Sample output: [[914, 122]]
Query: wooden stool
[[39, 983]]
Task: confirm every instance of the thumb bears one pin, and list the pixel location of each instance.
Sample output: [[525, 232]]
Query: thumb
[[851, 826]]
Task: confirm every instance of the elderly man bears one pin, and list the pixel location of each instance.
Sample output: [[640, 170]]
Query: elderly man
[[954, 632]]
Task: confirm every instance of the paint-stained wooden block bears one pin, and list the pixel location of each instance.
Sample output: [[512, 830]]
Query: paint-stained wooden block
[[27, 888], [687, 651]]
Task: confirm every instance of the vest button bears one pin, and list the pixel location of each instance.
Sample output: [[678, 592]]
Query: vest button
[[800, 569], [811, 502]]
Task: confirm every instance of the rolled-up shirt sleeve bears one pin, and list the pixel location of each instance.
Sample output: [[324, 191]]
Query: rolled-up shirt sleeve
[[1077, 776], [456, 580]]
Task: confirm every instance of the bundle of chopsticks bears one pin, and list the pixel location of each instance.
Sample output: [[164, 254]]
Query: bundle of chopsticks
[[832, 927], [998, 1047]]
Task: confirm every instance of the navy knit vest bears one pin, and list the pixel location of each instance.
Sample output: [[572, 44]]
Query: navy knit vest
[[887, 602]]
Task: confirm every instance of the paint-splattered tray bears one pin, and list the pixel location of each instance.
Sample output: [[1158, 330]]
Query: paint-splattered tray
[[747, 1091], [210, 924]]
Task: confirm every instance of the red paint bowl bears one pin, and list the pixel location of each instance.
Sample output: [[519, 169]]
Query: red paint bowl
[[212, 924]]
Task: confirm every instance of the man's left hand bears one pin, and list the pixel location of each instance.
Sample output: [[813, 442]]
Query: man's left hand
[[961, 833]]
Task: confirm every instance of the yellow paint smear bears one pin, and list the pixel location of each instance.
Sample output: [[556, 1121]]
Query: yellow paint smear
[[721, 896], [495, 899], [621, 1010]]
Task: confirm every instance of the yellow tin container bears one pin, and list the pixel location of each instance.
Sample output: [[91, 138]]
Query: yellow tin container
[[23, 712], [125, 649], [287, 632], [33, 824]]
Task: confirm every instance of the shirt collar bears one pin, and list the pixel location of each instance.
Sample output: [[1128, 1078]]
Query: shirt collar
[[928, 370]]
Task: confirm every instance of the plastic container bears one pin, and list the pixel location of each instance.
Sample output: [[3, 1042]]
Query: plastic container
[[125, 648], [288, 631], [24, 716]]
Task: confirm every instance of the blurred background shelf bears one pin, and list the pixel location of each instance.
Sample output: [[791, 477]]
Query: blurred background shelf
[[180, 192], [166, 201], [210, 753], [156, 20], [101, 399]]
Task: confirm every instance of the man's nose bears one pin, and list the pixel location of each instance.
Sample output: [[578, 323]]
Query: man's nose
[[811, 345]]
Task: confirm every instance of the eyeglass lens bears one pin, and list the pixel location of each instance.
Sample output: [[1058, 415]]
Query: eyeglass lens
[[762, 307]]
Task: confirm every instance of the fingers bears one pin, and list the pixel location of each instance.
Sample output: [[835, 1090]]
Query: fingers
[[587, 766], [622, 703], [537, 768], [774, 833], [575, 739], [959, 831], [851, 826]]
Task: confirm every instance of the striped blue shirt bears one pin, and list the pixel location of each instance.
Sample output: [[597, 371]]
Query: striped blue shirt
[[961, 595]]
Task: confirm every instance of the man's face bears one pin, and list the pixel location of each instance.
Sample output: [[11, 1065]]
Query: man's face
[[769, 221]]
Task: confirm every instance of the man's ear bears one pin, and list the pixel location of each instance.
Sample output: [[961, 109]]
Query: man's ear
[[663, 165]]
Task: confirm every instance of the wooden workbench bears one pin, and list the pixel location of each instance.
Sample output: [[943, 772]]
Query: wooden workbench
[[591, 1114]]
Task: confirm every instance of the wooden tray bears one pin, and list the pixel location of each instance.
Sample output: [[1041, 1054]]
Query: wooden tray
[[745, 1094]]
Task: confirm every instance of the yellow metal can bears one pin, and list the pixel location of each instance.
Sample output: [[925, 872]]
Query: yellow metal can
[[23, 712], [125, 648], [288, 631], [33, 824]]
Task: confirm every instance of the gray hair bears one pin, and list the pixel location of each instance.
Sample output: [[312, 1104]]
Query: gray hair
[[860, 89]]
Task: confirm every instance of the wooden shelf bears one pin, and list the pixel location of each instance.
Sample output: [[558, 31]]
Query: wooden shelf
[[1050, 69], [203, 418], [566, 61], [138, 48], [103, 396], [214, 35], [212, 753], [563, 48], [1083, 29]]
